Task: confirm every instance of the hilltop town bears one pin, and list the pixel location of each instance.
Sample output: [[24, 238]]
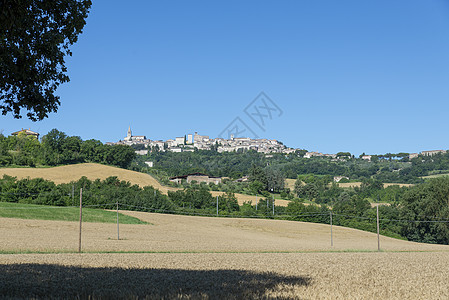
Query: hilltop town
[[203, 142], [190, 142]]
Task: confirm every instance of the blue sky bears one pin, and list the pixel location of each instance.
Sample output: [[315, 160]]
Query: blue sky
[[358, 76]]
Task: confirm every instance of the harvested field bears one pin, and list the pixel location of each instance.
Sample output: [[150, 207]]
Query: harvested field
[[193, 234], [215, 258], [65, 174], [290, 183], [357, 184]]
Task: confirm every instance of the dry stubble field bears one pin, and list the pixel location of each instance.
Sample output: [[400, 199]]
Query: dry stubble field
[[210, 258]]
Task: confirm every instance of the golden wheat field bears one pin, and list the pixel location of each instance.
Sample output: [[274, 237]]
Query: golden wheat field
[[184, 257], [65, 174], [193, 234], [415, 275]]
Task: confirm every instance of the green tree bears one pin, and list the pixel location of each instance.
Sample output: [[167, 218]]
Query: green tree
[[427, 202], [34, 39], [52, 147], [275, 180]]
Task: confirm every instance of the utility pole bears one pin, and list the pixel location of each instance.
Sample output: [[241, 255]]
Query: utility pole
[[332, 238], [378, 237], [118, 229], [377, 217], [81, 218]]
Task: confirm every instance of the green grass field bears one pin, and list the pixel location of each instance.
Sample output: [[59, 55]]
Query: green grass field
[[435, 176], [61, 213]]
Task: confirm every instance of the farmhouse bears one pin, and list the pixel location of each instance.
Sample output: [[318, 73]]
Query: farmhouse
[[197, 177], [26, 132], [432, 152]]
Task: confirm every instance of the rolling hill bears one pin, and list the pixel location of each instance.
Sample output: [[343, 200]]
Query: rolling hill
[[92, 171]]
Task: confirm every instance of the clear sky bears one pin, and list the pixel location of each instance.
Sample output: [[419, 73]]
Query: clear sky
[[358, 76]]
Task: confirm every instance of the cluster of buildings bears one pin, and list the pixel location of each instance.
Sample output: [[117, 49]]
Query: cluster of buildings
[[190, 142], [203, 142]]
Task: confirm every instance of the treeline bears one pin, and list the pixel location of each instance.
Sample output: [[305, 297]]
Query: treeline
[[56, 148], [106, 193], [407, 216], [395, 168]]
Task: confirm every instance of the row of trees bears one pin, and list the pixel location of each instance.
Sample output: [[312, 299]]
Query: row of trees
[[110, 191], [56, 148]]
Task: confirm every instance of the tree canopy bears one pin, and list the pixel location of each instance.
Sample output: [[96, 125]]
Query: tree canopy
[[35, 36]]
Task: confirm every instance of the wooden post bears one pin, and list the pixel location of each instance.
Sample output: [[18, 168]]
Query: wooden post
[[332, 238], [256, 202], [73, 195], [118, 229], [378, 237], [273, 205], [81, 217], [217, 205]]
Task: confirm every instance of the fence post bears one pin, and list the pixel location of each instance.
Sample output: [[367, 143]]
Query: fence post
[[81, 218], [332, 237], [73, 194], [378, 237], [256, 202], [118, 229], [273, 205], [217, 205]]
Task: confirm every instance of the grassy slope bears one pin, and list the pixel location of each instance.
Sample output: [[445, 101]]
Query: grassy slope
[[40, 212], [435, 176], [64, 174]]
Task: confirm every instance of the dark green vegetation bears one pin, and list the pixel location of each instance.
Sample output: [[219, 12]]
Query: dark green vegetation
[[397, 168], [39, 212], [407, 216], [34, 39], [56, 148]]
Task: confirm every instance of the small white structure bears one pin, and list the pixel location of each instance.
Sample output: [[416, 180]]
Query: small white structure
[[339, 178], [141, 152]]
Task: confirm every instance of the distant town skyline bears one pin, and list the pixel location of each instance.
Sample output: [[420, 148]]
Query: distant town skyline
[[336, 76]]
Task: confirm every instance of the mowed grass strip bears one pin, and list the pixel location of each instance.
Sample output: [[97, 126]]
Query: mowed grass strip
[[62, 213]]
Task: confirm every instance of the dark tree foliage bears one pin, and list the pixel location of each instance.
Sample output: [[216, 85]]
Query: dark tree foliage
[[427, 201], [57, 148], [35, 36]]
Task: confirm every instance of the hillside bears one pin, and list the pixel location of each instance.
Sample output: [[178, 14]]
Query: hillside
[[92, 171], [194, 234]]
